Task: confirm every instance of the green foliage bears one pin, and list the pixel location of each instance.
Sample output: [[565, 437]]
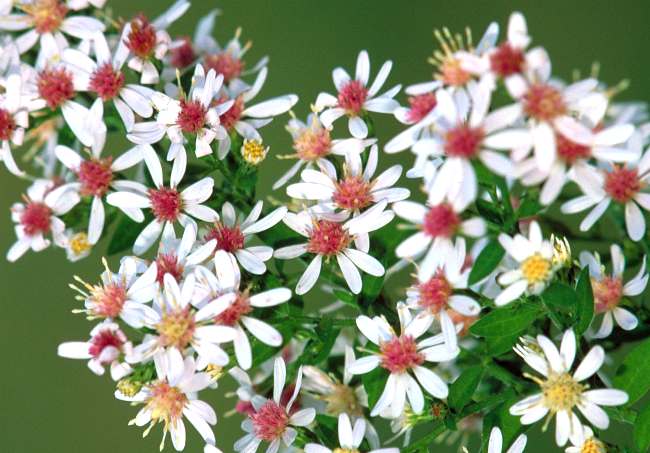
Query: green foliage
[[633, 375], [461, 391], [642, 429], [374, 383], [125, 234], [486, 262], [585, 302], [507, 321]]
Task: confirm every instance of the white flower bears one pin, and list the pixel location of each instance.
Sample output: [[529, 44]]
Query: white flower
[[330, 237], [563, 392], [400, 355], [356, 190], [38, 217], [76, 245], [354, 97], [167, 204], [191, 116], [349, 438], [622, 184], [104, 78], [587, 443], [533, 258], [495, 444], [433, 294], [46, 22], [234, 308], [107, 346], [272, 421], [609, 290], [172, 396]]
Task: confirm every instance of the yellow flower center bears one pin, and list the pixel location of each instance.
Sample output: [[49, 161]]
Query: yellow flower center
[[253, 151], [176, 328], [79, 244], [345, 450], [593, 445], [536, 269], [166, 403], [343, 400], [215, 371], [561, 392], [128, 388]]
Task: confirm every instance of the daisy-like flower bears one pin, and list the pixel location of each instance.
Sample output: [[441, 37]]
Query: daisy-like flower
[[312, 144], [187, 117], [349, 438], [330, 237], [76, 245], [622, 184], [354, 97], [356, 190], [107, 346], [105, 79], [562, 392], [272, 421], [38, 216], [609, 290], [231, 235], [401, 356], [46, 22], [167, 204], [172, 396], [14, 118], [533, 256], [235, 306], [177, 327], [121, 295], [495, 444], [433, 293], [588, 443], [148, 41]]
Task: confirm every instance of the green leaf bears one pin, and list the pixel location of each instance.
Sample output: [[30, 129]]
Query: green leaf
[[506, 321], [633, 375], [509, 424], [374, 383], [489, 211], [642, 429], [497, 346], [461, 391], [529, 207], [584, 302], [486, 262], [125, 234], [559, 295]]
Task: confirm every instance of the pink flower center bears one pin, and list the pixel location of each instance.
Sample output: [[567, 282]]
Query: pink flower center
[[142, 37], [570, 151], [225, 63], [313, 144], [167, 263], [95, 176], [35, 219], [108, 300], [622, 183], [463, 141], [452, 73], [166, 203], [183, 54], [233, 114], [435, 292], [420, 106], [327, 238], [240, 307], [353, 193], [191, 118], [106, 81], [441, 221], [400, 354], [229, 239], [544, 102], [352, 97], [506, 60], [106, 338], [166, 403], [7, 124], [55, 86], [245, 408], [46, 14], [270, 421], [608, 292], [176, 328]]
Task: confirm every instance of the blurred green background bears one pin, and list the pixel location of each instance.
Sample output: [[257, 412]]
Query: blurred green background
[[49, 404]]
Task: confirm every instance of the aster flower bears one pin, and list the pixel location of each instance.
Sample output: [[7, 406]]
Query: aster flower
[[356, 189], [104, 78], [533, 256], [609, 290], [193, 115], [621, 184], [76, 245], [273, 421], [354, 97], [330, 237], [38, 216], [563, 392], [172, 396], [588, 442], [168, 205], [495, 444], [107, 346], [349, 438], [402, 357]]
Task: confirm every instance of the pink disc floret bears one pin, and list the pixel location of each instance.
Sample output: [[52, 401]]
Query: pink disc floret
[[435, 292], [608, 292], [622, 183], [544, 102], [352, 97], [106, 81], [463, 141], [141, 39], [167, 263], [228, 238], [7, 124], [166, 203], [400, 354], [225, 63], [192, 116], [110, 340], [231, 315], [270, 421], [441, 221], [55, 86], [420, 106], [507, 60], [95, 176], [353, 193], [327, 238], [36, 218]]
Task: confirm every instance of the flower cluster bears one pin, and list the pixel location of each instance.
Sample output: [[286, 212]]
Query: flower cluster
[[214, 282]]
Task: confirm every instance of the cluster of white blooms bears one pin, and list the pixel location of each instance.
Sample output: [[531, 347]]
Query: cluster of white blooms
[[220, 284]]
